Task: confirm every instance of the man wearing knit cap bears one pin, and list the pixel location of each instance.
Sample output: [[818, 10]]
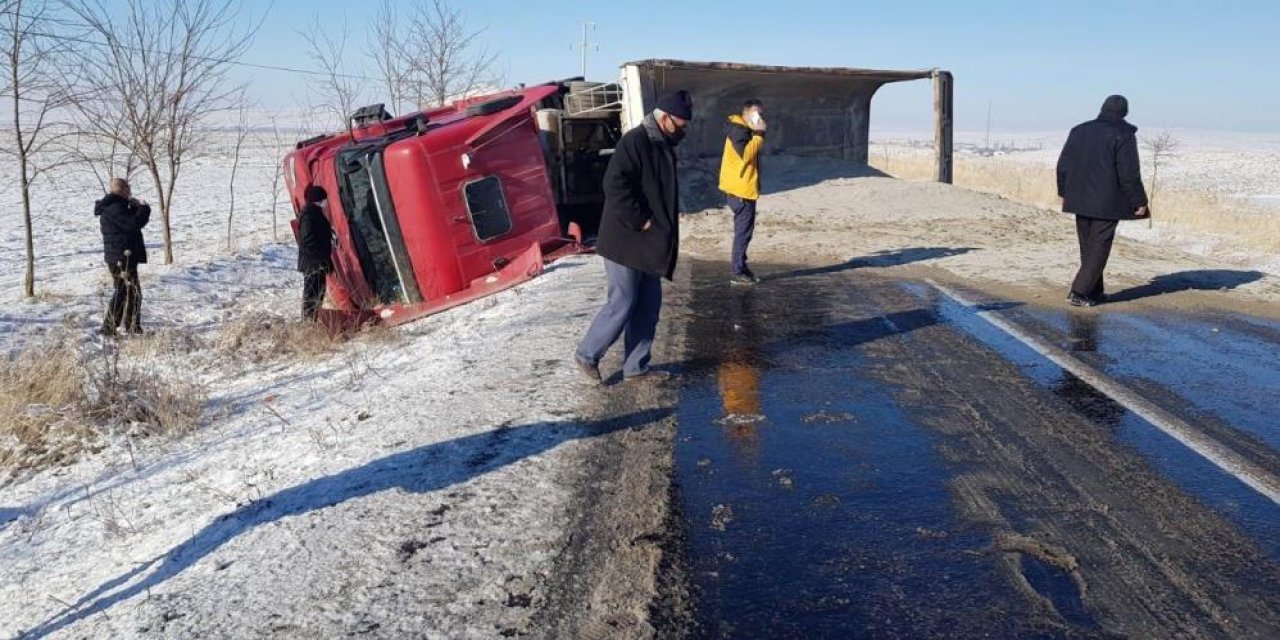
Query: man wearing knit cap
[[315, 249], [639, 239], [1100, 181]]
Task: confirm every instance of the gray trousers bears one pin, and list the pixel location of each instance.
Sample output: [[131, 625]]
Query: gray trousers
[[635, 299]]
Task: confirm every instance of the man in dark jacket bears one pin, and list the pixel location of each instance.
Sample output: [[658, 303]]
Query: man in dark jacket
[[1099, 180], [121, 219], [315, 249], [639, 238]]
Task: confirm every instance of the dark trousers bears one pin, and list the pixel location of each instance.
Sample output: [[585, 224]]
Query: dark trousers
[[744, 226], [313, 286], [1095, 237], [633, 305], [125, 308]]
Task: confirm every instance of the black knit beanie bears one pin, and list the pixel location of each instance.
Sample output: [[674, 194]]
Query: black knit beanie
[[678, 104], [315, 193]]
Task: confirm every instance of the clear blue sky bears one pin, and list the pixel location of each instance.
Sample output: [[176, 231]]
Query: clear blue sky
[[1042, 64]]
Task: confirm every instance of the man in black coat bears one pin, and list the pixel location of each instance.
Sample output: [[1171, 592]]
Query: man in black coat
[[315, 249], [1100, 181], [639, 238], [121, 219]]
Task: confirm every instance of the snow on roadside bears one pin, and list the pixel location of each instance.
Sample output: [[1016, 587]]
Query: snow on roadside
[[399, 486]]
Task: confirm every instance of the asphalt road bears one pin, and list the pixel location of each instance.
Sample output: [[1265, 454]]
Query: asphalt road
[[861, 456]]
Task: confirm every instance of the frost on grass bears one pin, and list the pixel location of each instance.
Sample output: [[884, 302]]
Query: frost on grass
[[60, 397], [262, 337]]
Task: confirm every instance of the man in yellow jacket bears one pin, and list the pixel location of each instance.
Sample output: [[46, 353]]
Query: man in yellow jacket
[[740, 181]]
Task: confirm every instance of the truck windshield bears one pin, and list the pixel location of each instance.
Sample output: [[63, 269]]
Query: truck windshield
[[374, 227]]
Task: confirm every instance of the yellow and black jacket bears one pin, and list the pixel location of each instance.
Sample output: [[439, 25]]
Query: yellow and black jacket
[[740, 166]]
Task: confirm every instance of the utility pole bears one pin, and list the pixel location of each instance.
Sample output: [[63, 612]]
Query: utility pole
[[585, 45], [988, 143]]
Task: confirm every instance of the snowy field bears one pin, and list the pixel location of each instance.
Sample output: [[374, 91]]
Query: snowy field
[[1223, 163], [1218, 183], [402, 485]]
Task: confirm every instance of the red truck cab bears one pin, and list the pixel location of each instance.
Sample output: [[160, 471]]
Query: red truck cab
[[435, 208]]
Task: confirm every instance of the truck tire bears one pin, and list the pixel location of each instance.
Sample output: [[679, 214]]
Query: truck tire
[[490, 107]]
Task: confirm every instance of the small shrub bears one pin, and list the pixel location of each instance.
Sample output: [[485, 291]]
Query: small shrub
[[41, 393], [261, 337], [59, 398]]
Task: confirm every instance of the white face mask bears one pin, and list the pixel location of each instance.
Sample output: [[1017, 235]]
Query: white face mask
[[754, 117]]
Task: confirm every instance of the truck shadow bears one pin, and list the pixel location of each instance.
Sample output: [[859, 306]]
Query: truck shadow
[[422, 470], [788, 173], [700, 177], [1197, 280]]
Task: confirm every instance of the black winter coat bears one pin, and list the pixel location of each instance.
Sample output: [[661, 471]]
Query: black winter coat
[[640, 186], [1098, 171], [122, 221], [315, 241]]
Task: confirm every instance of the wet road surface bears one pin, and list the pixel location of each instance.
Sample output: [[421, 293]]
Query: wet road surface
[[864, 457]]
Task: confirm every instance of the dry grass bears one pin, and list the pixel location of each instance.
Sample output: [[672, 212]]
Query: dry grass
[[41, 392], [262, 337], [59, 398], [1235, 221]]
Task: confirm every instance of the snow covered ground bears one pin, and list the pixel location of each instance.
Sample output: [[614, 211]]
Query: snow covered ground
[[1225, 163], [1237, 173], [402, 486]]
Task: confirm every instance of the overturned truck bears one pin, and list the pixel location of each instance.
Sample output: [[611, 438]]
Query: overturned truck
[[439, 207]]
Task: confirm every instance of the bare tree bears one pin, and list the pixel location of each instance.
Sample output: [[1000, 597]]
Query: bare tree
[[390, 55], [158, 75], [339, 91], [241, 132], [1160, 148], [279, 149], [30, 83], [448, 61], [103, 155]]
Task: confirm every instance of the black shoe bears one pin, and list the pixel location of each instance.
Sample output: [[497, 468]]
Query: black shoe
[[652, 375], [1077, 300], [591, 371]]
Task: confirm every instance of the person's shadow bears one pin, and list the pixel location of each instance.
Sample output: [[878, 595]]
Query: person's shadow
[[10, 514], [424, 469], [885, 258], [1199, 280]]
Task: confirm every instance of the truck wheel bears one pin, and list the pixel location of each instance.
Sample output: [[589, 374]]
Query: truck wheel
[[493, 106]]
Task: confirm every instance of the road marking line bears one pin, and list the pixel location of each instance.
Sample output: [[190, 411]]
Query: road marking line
[[1256, 477]]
